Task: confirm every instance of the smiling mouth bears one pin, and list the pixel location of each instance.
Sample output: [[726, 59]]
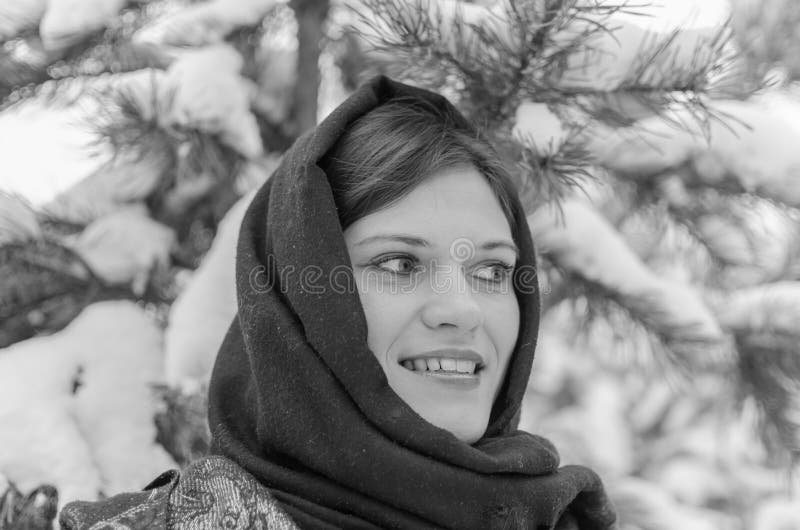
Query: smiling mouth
[[451, 373], [441, 366]]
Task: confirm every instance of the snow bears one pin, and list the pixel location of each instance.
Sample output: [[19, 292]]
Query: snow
[[203, 89], [44, 151], [202, 24], [777, 514], [612, 56], [19, 15], [201, 315], [539, 128], [67, 22], [99, 438], [588, 245], [126, 246], [754, 143], [40, 441], [17, 220]]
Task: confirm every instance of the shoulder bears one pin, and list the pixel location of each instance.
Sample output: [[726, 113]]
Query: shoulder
[[213, 492]]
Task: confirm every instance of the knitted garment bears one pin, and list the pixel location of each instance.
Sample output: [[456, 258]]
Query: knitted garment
[[210, 493], [298, 399]]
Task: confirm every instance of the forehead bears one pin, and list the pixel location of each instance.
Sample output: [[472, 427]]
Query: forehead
[[454, 202]]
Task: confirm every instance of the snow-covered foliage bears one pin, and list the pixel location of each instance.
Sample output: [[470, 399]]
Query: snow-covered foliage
[[539, 128], [204, 91], [125, 247], [751, 146], [642, 42], [17, 219], [583, 242], [203, 23], [67, 22], [685, 255], [209, 297], [17, 16], [77, 408], [670, 454]]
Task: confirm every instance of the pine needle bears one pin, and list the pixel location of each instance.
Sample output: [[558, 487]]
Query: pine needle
[[43, 286], [769, 371], [18, 220]]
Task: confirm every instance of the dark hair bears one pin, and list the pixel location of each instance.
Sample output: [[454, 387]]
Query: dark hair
[[385, 154]]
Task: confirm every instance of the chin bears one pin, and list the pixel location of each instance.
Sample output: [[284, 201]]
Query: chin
[[469, 437], [467, 431]]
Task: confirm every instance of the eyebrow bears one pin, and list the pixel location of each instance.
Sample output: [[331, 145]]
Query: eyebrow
[[419, 242]]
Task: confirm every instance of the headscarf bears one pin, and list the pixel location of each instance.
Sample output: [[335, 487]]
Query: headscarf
[[298, 399]]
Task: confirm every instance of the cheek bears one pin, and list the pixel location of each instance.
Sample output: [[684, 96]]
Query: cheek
[[502, 325], [385, 316]]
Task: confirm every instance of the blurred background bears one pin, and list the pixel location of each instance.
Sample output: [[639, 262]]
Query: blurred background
[[656, 146]]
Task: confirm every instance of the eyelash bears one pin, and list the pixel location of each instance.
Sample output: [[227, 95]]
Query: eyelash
[[506, 269], [391, 257]]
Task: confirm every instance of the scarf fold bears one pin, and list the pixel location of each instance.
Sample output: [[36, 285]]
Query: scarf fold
[[299, 401]]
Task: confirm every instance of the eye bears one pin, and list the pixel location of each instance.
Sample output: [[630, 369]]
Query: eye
[[398, 264], [497, 272]]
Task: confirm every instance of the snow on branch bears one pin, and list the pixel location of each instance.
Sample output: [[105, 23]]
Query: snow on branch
[[18, 16], [765, 320], [43, 286], [189, 125], [30, 69], [550, 51], [752, 150], [201, 24], [749, 240], [487, 50], [18, 220], [587, 246]]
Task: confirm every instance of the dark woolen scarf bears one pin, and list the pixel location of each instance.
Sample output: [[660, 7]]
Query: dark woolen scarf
[[298, 400]]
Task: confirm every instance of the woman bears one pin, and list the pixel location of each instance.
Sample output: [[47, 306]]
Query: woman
[[387, 319]]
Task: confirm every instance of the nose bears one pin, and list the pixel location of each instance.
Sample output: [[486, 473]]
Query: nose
[[451, 302]]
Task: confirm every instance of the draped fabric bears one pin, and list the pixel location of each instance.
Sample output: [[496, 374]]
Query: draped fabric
[[211, 492], [299, 400]]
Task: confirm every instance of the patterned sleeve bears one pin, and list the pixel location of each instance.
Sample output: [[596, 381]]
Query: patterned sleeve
[[212, 492], [146, 509], [216, 493]]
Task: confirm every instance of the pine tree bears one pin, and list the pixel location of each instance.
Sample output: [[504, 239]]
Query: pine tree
[[657, 172], [669, 254]]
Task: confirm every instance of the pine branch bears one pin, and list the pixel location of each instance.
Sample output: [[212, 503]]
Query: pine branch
[[666, 79], [676, 351], [130, 124], [182, 423], [769, 372], [18, 220], [454, 42], [133, 131], [765, 320], [547, 176], [776, 19], [43, 286], [749, 240], [589, 248], [58, 77]]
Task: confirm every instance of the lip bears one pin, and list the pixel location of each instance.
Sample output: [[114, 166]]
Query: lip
[[464, 381]]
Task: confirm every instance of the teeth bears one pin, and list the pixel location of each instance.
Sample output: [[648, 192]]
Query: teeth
[[448, 365], [440, 365], [465, 367]]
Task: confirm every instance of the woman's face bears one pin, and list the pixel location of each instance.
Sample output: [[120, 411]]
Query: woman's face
[[434, 276]]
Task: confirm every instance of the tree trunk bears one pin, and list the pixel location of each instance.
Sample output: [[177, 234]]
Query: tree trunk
[[310, 15]]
